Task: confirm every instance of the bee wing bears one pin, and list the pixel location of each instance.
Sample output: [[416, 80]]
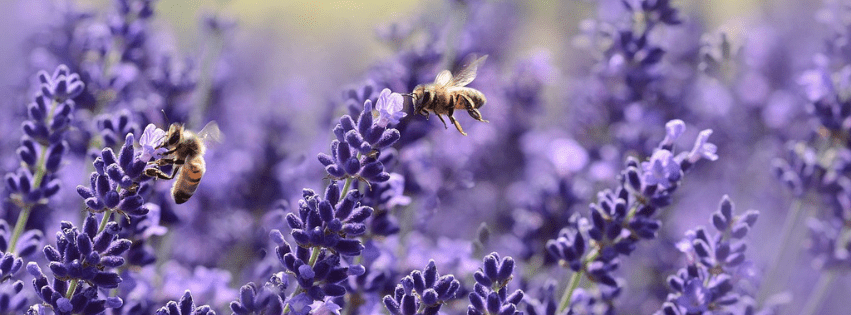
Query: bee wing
[[211, 133], [443, 78], [468, 70]]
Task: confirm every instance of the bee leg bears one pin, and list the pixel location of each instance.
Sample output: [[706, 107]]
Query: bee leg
[[457, 125], [162, 162], [473, 111], [443, 121], [155, 172], [476, 115]]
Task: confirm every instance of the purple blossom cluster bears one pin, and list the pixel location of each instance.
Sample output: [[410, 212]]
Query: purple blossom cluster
[[583, 192]]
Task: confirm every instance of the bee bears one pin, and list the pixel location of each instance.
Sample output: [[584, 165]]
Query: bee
[[186, 155], [448, 93]]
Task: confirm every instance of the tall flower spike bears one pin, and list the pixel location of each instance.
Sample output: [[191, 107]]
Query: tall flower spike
[[43, 144], [622, 217]]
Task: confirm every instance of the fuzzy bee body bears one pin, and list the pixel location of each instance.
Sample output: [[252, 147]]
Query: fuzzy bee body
[[186, 150], [448, 93]]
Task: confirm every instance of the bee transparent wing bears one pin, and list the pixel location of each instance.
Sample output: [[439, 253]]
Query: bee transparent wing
[[468, 70], [211, 133], [443, 78]]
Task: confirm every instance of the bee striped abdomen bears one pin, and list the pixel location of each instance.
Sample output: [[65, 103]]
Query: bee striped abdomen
[[188, 180]]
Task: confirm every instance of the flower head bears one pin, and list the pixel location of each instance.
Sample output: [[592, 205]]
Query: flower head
[[151, 138], [389, 107]]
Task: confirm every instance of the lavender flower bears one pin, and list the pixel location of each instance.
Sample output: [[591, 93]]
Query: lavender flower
[[116, 185], [330, 222], [365, 139], [317, 277], [389, 107], [150, 141], [490, 295], [621, 218], [43, 145], [12, 300], [185, 306], [253, 300], [422, 292], [113, 127], [80, 264], [716, 265]]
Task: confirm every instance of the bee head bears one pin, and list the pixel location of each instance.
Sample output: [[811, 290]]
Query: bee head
[[416, 96], [175, 132]]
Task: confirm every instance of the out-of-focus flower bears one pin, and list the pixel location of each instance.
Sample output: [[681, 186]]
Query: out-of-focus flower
[[714, 270]]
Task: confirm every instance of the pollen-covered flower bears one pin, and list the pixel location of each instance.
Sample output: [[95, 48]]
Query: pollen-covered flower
[[389, 107]]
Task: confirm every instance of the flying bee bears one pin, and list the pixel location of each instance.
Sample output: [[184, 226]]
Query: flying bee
[[448, 93], [186, 155]]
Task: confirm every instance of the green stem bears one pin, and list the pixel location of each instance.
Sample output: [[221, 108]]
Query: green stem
[[346, 187], [574, 281], [71, 288], [819, 293], [105, 220], [19, 227], [774, 264], [568, 293], [314, 256]]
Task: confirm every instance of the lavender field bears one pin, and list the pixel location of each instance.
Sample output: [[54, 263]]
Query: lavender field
[[599, 157]]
